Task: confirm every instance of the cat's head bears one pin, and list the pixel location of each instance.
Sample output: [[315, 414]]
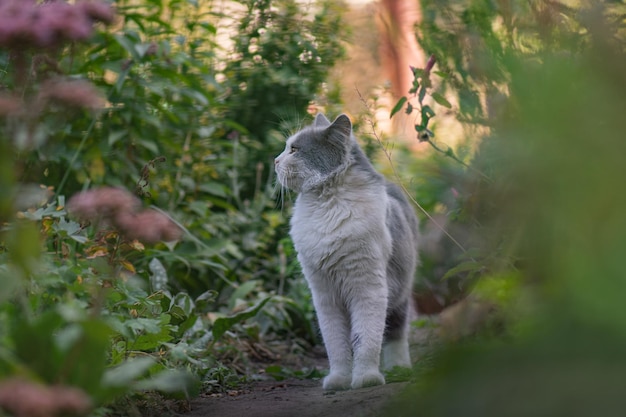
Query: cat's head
[[315, 153]]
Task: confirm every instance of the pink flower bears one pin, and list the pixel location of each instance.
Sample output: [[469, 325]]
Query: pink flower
[[149, 226], [100, 203], [74, 93], [120, 209], [23, 398], [25, 23], [430, 64], [9, 105]]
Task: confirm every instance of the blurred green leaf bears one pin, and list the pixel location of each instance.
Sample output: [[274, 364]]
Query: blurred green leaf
[[441, 100], [172, 382], [398, 106], [242, 291], [223, 324], [471, 266], [24, 246], [158, 276], [128, 372]]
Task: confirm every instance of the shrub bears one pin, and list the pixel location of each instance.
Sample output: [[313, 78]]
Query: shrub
[[111, 293]]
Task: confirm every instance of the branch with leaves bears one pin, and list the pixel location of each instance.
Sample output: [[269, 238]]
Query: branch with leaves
[[420, 89]]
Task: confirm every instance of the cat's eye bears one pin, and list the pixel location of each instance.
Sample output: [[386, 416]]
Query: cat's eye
[[293, 149]]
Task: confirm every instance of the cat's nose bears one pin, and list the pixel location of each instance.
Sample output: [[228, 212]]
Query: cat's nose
[[275, 161]]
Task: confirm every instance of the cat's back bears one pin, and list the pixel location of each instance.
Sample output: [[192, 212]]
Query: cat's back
[[401, 216]]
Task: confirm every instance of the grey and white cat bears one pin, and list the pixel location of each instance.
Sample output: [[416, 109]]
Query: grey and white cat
[[356, 238]]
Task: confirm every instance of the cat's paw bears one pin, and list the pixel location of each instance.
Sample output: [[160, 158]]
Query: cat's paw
[[367, 379], [336, 381]]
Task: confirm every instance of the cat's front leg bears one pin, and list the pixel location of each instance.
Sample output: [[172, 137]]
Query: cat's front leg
[[368, 326], [335, 327]]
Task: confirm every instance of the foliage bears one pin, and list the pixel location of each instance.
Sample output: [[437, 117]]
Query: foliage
[[151, 105], [545, 230], [475, 46], [281, 58]]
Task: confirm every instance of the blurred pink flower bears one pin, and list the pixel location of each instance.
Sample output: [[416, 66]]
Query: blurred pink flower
[[149, 226], [74, 93], [23, 398], [430, 64], [104, 202], [26, 23], [9, 105], [120, 209]]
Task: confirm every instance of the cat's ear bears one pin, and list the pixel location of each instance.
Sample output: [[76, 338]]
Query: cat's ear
[[321, 121], [339, 132], [341, 126]]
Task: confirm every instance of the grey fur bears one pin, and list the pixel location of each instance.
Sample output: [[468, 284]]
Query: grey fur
[[356, 237]]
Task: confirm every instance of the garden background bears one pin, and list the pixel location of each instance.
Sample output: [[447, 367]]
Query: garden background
[[144, 245]]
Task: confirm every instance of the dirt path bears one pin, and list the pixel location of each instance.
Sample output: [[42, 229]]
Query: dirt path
[[296, 398], [305, 398]]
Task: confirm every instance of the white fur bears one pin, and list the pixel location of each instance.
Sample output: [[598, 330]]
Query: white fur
[[343, 246], [396, 353], [341, 233]]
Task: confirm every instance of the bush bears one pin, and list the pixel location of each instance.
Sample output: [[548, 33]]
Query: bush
[[544, 224], [111, 293]]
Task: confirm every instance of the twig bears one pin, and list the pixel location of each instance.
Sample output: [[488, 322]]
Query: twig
[[455, 158], [419, 91], [397, 176]]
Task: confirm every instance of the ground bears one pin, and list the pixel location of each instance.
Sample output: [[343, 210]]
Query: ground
[[300, 398], [305, 397]]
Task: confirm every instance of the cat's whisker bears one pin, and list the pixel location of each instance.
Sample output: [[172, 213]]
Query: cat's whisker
[[280, 189], [280, 202]]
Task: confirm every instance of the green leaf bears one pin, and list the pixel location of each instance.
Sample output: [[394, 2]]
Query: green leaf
[[471, 266], [242, 291], [157, 332], [223, 324], [171, 381], [34, 344], [128, 45], [441, 100], [24, 246], [84, 351], [214, 188], [398, 106], [141, 49], [71, 229], [203, 300], [158, 277], [184, 302], [129, 371], [144, 325], [115, 136], [427, 112], [421, 94]]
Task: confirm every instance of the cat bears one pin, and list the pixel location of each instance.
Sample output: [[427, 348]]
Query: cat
[[356, 239]]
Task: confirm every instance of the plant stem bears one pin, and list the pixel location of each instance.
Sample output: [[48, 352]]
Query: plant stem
[[397, 175], [75, 156], [454, 157]]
